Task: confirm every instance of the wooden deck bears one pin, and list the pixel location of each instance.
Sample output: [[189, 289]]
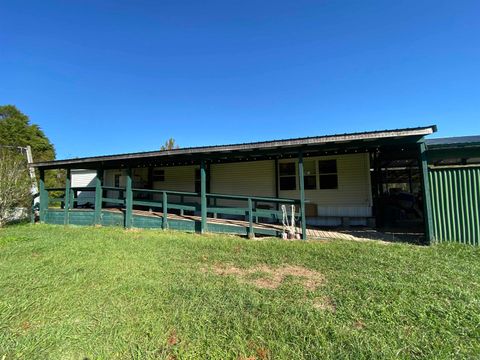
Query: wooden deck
[[312, 233]]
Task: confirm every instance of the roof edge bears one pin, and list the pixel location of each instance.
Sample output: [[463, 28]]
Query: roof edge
[[304, 141]]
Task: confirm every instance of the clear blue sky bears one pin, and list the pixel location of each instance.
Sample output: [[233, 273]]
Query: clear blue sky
[[105, 77]]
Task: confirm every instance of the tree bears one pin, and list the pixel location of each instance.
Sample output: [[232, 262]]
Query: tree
[[16, 130], [169, 145], [15, 184]]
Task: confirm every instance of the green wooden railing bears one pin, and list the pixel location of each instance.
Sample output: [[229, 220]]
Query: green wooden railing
[[253, 207], [208, 202]]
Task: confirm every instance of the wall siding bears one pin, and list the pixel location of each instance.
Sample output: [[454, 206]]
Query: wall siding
[[256, 178], [83, 178], [353, 197], [455, 200]]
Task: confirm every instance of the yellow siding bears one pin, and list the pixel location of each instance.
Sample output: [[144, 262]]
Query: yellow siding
[[353, 183], [244, 178], [177, 178], [255, 178]]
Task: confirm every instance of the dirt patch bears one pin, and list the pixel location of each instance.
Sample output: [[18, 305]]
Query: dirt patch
[[172, 338], [324, 303], [267, 277], [359, 325]]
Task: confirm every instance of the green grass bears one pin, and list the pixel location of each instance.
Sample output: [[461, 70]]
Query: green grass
[[106, 293]]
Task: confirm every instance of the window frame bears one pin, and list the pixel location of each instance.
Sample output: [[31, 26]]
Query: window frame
[[158, 177], [330, 173], [314, 175], [294, 175]]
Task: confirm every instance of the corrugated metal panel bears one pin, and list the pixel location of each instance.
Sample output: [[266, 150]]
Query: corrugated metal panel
[[455, 204]]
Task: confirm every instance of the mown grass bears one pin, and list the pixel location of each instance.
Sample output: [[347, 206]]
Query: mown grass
[[106, 293]]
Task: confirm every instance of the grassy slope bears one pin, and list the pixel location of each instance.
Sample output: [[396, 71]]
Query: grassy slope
[[109, 293]]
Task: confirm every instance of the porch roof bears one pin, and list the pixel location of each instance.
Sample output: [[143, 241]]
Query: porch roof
[[460, 150], [360, 140]]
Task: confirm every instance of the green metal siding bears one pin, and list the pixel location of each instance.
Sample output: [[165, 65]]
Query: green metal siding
[[455, 204]]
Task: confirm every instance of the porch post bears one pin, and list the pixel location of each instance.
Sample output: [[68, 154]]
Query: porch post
[[302, 194], [98, 197], [43, 196], [427, 206], [203, 196], [66, 206], [128, 199]]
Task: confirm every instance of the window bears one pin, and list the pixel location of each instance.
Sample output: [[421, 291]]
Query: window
[[198, 181], [287, 176], [116, 180], [327, 170], [158, 175], [310, 175]]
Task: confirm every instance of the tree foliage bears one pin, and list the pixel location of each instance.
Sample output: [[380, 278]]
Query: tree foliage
[[16, 130], [169, 145], [15, 184]]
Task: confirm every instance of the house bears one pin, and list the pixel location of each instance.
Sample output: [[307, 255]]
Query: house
[[240, 188]]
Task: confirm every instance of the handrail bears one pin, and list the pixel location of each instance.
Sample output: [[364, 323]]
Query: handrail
[[251, 209], [113, 188], [83, 188], [55, 189], [254, 198], [172, 192]]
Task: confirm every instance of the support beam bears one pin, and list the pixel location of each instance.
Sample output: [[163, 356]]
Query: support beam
[[165, 210], [128, 199], [251, 234], [203, 196], [43, 196], [67, 202], [98, 197], [427, 206], [277, 186], [301, 182]]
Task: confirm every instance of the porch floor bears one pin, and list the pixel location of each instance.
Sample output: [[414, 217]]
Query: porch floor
[[312, 233]]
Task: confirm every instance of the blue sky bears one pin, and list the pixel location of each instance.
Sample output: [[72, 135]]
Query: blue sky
[[104, 77]]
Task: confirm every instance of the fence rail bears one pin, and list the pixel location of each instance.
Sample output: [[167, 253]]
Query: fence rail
[[253, 207]]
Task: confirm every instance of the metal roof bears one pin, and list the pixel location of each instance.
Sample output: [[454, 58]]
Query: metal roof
[[453, 141], [261, 145]]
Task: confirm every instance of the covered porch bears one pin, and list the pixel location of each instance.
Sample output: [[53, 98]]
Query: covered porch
[[251, 211]]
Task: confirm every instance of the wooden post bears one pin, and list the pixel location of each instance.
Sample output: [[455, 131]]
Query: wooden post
[[165, 210], [98, 197], [277, 186], [66, 206], [251, 234], [302, 195], [427, 206], [203, 196], [43, 196], [128, 199]]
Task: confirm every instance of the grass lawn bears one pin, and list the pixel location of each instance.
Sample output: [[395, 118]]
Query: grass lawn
[[106, 293]]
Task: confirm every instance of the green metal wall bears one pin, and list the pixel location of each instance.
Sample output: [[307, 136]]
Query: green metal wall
[[455, 203]]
